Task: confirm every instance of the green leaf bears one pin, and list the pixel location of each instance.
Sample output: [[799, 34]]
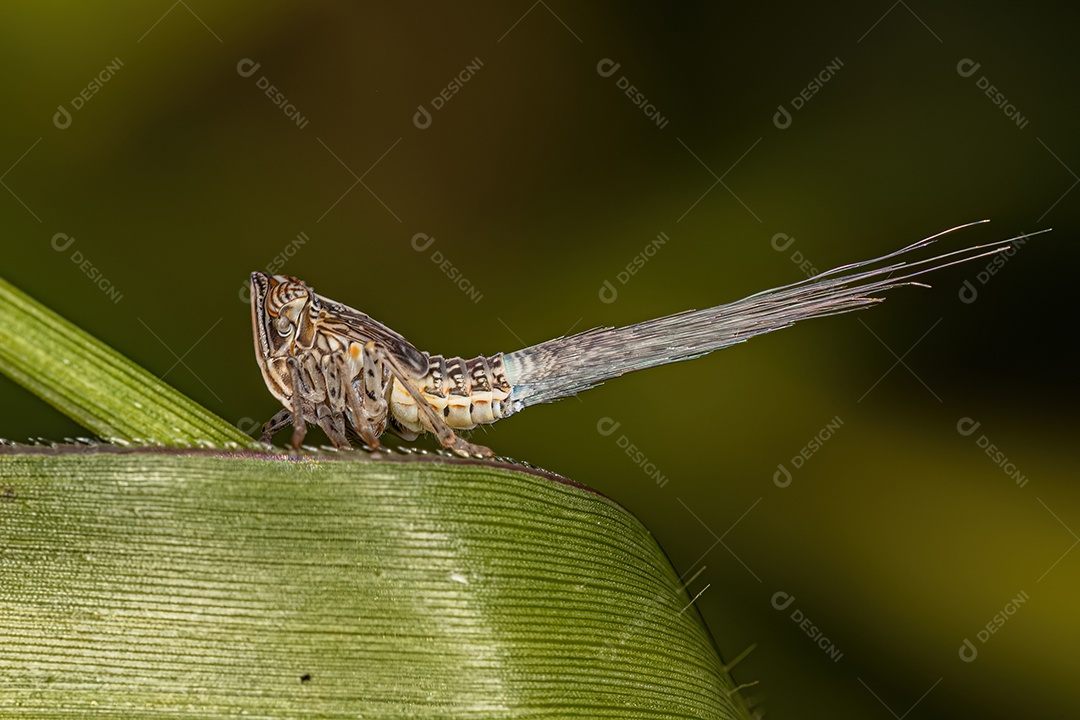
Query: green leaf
[[155, 583], [96, 386], [159, 584]]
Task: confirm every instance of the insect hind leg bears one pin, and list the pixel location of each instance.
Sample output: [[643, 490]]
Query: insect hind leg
[[447, 438]]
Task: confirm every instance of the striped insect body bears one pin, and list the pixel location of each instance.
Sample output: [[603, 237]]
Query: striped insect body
[[335, 367]]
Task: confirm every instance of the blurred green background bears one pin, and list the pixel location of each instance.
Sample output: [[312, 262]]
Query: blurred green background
[[539, 179]]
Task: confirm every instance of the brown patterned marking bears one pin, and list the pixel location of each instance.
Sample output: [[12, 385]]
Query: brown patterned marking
[[457, 377], [498, 375], [479, 374], [435, 383]]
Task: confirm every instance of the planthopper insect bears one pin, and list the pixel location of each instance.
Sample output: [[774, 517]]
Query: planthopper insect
[[352, 376]]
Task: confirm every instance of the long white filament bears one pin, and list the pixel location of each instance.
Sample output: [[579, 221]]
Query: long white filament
[[567, 365]]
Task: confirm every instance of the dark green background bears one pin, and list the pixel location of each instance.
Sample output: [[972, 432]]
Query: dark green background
[[539, 180]]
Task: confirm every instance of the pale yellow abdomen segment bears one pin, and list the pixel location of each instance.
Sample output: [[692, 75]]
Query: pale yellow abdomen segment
[[463, 393]]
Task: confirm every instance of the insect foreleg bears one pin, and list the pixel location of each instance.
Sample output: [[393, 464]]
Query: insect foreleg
[[299, 404], [309, 398], [279, 422], [329, 397], [443, 431], [331, 413]]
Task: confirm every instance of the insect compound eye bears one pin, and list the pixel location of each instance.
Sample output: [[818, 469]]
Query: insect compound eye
[[283, 326]]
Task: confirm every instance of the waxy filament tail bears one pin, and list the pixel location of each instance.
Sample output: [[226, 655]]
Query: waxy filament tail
[[567, 365]]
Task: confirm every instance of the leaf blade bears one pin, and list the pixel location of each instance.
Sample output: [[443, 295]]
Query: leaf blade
[[96, 386], [162, 583]]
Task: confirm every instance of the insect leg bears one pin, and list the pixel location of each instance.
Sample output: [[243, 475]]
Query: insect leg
[[375, 389], [446, 436], [275, 424], [309, 395], [361, 422], [298, 398], [331, 413], [358, 397]]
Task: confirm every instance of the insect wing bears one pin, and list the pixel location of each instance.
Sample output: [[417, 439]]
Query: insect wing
[[354, 325]]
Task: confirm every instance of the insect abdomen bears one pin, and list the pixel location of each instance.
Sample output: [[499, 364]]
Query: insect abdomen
[[466, 393]]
